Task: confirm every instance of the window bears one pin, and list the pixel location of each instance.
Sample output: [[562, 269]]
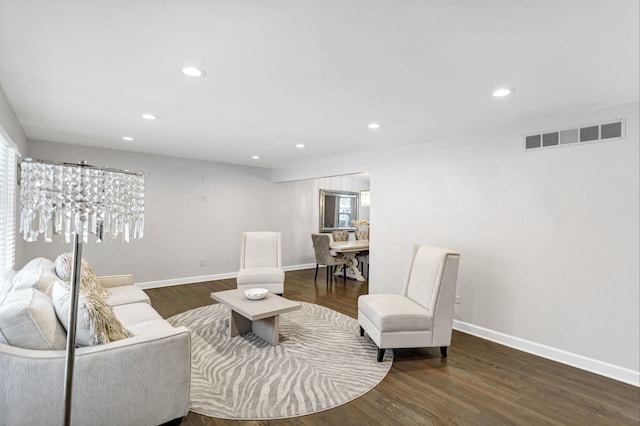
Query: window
[[345, 213], [7, 206]]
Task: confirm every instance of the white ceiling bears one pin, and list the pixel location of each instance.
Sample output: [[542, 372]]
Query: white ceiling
[[282, 72]]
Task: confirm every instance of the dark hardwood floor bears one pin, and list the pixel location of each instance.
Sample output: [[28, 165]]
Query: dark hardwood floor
[[480, 383]]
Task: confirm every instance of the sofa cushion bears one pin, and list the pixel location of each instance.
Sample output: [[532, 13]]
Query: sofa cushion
[[96, 321], [126, 294], [134, 313], [27, 277], [39, 273], [31, 274], [28, 320], [393, 312]]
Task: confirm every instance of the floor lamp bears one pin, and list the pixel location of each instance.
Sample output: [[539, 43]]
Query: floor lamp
[[75, 200]]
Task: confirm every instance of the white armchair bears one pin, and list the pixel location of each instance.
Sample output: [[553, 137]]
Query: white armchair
[[422, 316], [261, 262]]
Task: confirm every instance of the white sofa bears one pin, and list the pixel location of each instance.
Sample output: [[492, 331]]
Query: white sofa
[[141, 380]]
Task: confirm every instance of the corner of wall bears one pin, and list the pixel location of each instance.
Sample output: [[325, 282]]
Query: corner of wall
[[10, 127]]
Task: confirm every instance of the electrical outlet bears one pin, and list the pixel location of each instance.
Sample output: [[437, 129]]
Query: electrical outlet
[[203, 262], [456, 300]]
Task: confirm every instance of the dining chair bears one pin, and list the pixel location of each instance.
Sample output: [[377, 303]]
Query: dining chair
[[324, 257], [340, 235], [361, 234], [422, 315], [261, 262], [363, 256]]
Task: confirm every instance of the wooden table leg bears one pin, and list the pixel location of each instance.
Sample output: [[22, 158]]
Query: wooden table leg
[[352, 267]]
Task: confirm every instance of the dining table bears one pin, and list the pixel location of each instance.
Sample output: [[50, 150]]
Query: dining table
[[350, 249]]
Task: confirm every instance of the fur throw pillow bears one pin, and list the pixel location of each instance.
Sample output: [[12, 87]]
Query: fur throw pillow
[[94, 314], [88, 280]]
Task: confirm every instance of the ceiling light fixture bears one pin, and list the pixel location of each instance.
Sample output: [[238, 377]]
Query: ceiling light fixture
[[255, 157], [300, 145], [374, 126], [149, 117], [502, 92], [193, 72], [127, 138]]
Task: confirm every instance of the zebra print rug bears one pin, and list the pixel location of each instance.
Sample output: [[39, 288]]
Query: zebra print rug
[[320, 363]]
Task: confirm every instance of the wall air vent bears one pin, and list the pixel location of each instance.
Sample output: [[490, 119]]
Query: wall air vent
[[605, 131]]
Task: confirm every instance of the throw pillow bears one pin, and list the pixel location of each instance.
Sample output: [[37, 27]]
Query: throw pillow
[[28, 320], [46, 280], [96, 322], [38, 273], [26, 278], [88, 280]]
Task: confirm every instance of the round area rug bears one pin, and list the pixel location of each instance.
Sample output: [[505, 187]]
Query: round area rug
[[320, 363]]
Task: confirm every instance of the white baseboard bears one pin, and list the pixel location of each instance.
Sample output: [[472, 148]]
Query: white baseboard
[[299, 267], [592, 365], [213, 277], [186, 280]]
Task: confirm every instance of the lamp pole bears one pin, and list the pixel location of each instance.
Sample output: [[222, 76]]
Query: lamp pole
[[71, 332]]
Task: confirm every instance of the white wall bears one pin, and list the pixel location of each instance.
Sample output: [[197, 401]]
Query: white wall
[[9, 126], [549, 239], [181, 228]]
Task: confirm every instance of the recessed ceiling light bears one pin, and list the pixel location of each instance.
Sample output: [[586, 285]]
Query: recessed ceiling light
[[502, 92], [374, 125], [149, 117], [300, 145], [255, 157], [127, 138], [193, 72]]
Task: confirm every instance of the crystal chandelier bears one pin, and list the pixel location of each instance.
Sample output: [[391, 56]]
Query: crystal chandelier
[[76, 200], [65, 199]]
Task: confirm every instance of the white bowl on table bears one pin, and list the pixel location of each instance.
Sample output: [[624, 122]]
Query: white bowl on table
[[256, 293]]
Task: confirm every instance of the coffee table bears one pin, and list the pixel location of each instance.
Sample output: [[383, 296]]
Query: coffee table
[[258, 316]]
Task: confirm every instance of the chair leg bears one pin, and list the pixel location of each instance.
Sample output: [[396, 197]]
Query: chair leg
[[344, 273], [328, 273], [361, 331], [380, 354], [443, 351], [315, 277]]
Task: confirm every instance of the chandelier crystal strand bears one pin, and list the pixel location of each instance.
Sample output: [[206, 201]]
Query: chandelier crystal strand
[[67, 199]]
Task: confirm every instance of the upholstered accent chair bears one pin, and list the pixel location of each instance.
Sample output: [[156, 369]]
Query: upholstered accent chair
[[261, 262], [340, 235], [361, 234], [324, 257], [422, 316]]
